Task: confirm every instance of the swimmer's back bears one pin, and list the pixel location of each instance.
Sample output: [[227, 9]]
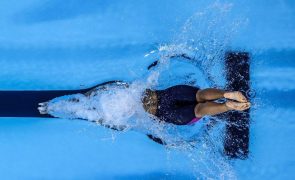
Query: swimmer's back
[[173, 105]]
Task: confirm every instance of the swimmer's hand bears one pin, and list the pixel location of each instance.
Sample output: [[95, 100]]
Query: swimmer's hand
[[43, 108]]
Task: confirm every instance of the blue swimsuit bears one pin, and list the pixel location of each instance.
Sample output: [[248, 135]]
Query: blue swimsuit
[[177, 104]]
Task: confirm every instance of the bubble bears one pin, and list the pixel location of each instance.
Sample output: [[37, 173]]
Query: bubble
[[251, 93]]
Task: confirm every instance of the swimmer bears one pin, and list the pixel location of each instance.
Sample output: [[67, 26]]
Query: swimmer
[[183, 104]]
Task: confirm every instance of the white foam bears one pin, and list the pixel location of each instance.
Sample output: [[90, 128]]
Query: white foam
[[113, 106]]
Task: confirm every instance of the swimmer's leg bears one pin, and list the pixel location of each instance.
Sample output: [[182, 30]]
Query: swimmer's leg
[[209, 94], [212, 108], [213, 94]]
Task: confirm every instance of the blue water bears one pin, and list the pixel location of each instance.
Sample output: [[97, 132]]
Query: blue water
[[77, 44]]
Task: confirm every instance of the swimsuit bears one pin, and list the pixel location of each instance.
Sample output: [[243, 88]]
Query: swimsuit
[[176, 104]]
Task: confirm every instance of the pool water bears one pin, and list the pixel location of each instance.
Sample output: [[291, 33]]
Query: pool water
[[57, 45]]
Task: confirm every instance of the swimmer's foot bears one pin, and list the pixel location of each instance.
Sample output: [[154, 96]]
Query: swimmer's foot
[[43, 107], [235, 95], [231, 105]]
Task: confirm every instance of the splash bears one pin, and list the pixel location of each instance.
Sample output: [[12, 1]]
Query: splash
[[204, 39], [202, 42], [111, 105], [201, 45]]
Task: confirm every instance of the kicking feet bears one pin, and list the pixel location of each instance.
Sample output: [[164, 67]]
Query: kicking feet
[[236, 95], [240, 106]]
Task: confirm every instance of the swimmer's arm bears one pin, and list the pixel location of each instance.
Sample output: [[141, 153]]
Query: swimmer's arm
[[103, 87], [88, 93]]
